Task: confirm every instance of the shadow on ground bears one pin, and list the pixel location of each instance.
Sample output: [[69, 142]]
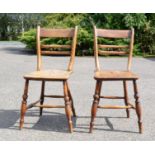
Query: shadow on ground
[[8, 118], [49, 121], [18, 51], [52, 121], [108, 123], [151, 59]]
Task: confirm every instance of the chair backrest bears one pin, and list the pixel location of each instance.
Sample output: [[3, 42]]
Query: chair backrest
[[99, 49], [55, 49]]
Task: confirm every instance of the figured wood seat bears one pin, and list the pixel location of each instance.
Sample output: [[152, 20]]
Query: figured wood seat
[[115, 75], [48, 75]]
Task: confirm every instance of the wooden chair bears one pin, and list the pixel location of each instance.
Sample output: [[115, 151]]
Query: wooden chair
[[106, 75], [52, 75]]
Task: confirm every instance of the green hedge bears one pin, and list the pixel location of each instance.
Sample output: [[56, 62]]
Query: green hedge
[[142, 23]]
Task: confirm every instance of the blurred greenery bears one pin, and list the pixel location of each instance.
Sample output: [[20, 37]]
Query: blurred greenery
[[23, 27]]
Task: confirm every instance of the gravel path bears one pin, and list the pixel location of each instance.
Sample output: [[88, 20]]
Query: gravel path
[[15, 61]]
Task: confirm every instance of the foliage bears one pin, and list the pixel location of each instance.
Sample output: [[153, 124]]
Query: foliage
[[29, 38], [14, 24], [144, 25]]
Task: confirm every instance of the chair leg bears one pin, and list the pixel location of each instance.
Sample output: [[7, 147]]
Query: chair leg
[[126, 100], [68, 109], [95, 104], [42, 96], [138, 107], [71, 99], [24, 104]]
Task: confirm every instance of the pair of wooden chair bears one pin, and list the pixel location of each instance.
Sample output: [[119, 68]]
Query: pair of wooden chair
[[63, 75]]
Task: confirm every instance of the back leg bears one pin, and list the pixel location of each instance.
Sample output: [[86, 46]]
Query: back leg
[[138, 107], [42, 96], [68, 108], [126, 100], [71, 99]]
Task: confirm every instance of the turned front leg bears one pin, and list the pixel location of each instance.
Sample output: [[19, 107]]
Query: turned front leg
[[95, 104], [24, 103], [138, 107], [126, 100]]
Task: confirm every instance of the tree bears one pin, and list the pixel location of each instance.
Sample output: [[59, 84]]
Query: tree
[[14, 24]]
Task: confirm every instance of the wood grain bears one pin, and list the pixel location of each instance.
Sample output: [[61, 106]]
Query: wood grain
[[56, 33], [108, 33]]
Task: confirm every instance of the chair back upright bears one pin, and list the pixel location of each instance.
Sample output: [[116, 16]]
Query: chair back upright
[[100, 49], [55, 49]]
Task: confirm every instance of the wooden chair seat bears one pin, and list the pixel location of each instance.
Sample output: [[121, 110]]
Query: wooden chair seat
[[115, 75], [48, 75]]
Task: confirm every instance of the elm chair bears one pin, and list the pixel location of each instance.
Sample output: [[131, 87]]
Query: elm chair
[[108, 75], [54, 74]]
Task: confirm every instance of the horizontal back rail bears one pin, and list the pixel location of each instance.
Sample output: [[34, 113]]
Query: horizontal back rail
[[112, 46], [56, 46], [112, 52], [56, 33], [66, 53], [113, 33]]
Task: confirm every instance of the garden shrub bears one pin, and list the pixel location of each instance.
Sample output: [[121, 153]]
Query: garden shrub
[[142, 23]]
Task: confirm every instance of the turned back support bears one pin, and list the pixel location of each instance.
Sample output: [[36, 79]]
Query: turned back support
[[121, 49], [56, 49]]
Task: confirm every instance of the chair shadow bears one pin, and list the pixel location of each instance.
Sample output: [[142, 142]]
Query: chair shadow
[[8, 118], [151, 59], [108, 123], [56, 122], [49, 121], [19, 51]]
